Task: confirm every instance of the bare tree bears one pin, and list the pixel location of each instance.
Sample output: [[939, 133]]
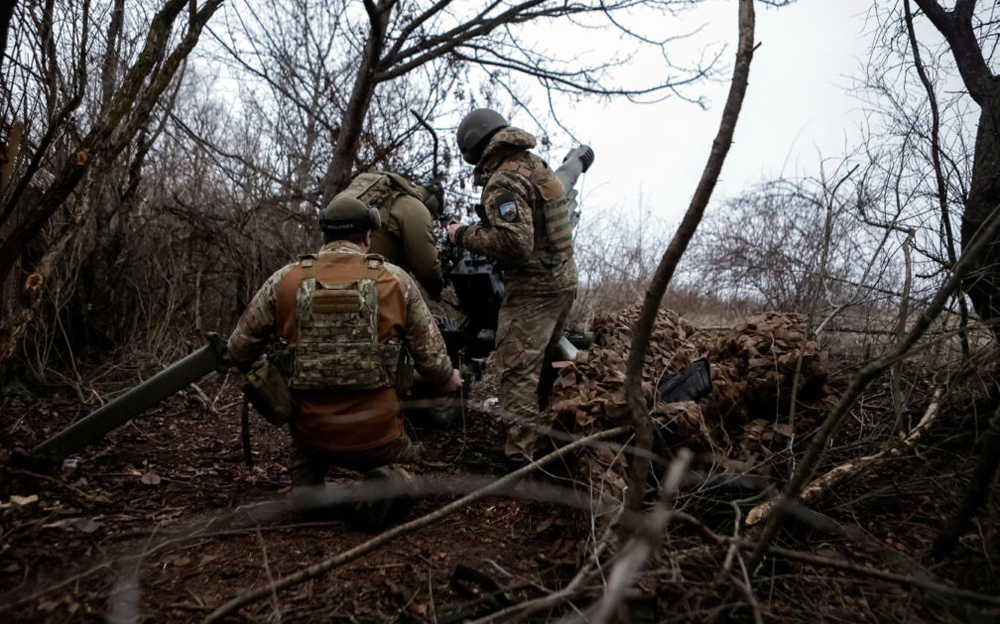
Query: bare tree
[[337, 64], [965, 29], [64, 153]]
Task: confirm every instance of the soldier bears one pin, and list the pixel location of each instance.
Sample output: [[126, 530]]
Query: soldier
[[406, 237], [346, 314], [525, 225]]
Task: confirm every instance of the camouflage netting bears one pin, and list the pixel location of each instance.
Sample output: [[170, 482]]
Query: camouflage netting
[[752, 370]]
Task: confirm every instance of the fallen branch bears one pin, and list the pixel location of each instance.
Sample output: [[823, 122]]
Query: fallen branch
[[819, 487], [499, 486], [838, 564], [645, 542], [573, 589], [972, 256]]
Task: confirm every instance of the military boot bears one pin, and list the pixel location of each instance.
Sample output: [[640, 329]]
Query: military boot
[[390, 507]]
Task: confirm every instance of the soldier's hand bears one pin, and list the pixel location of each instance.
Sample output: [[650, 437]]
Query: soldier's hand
[[451, 232], [453, 384]]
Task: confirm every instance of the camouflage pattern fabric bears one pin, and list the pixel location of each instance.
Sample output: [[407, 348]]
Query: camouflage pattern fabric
[[420, 332], [406, 237], [337, 421], [528, 330], [525, 225], [519, 189], [338, 346]]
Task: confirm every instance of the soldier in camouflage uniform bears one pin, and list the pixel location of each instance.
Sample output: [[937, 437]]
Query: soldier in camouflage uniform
[[525, 225], [345, 314], [406, 237]]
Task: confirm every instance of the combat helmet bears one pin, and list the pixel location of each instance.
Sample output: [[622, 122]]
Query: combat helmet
[[475, 130], [347, 215]]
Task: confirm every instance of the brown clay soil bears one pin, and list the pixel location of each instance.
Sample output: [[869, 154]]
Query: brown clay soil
[[162, 521]]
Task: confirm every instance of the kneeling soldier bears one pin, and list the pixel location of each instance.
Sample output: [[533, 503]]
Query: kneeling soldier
[[346, 315]]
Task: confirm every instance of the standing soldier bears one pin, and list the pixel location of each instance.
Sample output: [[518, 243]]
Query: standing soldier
[[406, 237], [345, 314], [525, 225]]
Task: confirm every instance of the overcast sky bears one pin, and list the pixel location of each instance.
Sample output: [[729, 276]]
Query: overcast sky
[[797, 107]]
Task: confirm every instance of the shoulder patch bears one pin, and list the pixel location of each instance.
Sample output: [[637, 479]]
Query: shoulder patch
[[506, 206], [508, 211]]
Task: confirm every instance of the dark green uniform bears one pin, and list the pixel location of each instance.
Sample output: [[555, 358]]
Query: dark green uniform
[[525, 226], [406, 237]]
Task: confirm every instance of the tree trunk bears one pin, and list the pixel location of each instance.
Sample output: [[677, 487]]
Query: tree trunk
[[983, 284], [6, 12], [117, 124], [639, 468], [339, 173]]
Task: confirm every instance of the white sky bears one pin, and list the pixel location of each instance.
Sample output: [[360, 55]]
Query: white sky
[[797, 108]]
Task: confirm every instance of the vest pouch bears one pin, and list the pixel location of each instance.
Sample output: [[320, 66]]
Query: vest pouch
[[338, 346], [340, 366], [266, 388], [403, 373]]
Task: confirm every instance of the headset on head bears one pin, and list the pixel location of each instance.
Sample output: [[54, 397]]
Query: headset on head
[[371, 221]]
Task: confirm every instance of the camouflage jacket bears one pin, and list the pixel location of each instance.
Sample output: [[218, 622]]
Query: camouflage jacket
[[512, 228], [419, 332]]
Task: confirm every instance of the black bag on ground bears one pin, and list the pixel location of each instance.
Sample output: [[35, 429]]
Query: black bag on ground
[[693, 382]]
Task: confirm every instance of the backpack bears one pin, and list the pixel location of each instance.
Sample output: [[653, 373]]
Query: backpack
[[380, 189]]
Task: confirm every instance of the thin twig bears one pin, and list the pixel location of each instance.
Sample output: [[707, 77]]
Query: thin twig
[[639, 468], [497, 487]]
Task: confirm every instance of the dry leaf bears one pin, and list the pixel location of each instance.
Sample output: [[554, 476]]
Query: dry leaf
[[151, 478], [23, 500], [544, 524], [176, 560], [49, 606], [784, 429]]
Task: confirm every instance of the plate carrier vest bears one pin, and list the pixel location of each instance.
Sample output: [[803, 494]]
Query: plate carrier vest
[[338, 346], [554, 208]]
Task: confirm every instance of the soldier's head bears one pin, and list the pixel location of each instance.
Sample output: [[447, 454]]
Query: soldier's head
[[475, 132], [348, 218]]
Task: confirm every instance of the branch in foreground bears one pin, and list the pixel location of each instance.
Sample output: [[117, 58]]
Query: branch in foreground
[[971, 258], [838, 564], [815, 490], [497, 487], [639, 470]]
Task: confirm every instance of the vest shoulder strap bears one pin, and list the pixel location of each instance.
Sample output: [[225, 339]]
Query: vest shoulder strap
[[373, 262], [307, 262], [518, 165]]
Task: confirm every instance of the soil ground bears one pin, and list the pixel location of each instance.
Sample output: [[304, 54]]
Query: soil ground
[[162, 521]]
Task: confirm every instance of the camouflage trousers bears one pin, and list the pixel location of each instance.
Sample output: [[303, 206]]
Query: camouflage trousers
[[528, 329], [309, 467]]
